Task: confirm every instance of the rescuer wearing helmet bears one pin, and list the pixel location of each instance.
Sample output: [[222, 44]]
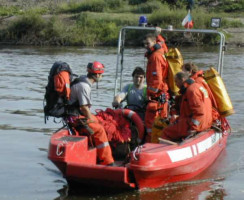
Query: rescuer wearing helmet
[[135, 94], [157, 88], [81, 96], [195, 109]]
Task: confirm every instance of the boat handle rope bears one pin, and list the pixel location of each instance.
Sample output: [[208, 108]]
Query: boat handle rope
[[59, 150], [137, 150]]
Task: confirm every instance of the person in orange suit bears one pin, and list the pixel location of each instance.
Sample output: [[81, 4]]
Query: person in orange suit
[[157, 88], [197, 76], [195, 109], [82, 118]]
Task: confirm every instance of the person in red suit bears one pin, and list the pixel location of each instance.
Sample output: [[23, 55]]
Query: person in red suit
[[195, 109]]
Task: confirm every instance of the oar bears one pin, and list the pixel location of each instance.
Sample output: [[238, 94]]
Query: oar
[[167, 141]]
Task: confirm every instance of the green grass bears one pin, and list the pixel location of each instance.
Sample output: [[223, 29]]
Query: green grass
[[9, 10], [97, 22]]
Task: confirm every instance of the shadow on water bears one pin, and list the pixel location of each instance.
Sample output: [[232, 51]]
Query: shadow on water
[[208, 189]]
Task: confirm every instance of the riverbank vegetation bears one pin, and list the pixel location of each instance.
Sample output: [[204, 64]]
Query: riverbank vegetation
[[97, 22]]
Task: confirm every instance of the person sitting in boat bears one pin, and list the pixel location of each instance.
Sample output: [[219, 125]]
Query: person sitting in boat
[[195, 109], [198, 77], [157, 87], [135, 94], [81, 115]]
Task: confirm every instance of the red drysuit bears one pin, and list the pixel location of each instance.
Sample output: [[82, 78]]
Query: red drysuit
[[195, 113]]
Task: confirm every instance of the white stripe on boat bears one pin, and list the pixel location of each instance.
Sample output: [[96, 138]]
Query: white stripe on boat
[[188, 152], [180, 154], [194, 149], [209, 142]]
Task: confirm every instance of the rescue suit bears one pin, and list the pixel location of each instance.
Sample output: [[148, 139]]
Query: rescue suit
[[157, 88], [161, 41], [198, 78], [81, 95], [195, 112]]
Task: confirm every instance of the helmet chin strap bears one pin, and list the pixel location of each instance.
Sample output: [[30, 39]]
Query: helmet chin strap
[[96, 79]]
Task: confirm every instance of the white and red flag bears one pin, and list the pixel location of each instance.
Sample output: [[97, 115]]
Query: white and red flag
[[187, 21]]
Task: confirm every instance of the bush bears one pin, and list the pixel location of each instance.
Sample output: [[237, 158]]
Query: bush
[[165, 16], [148, 7], [231, 23], [8, 10], [136, 2], [96, 32], [56, 32], [87, 5], [114, 4], [233, 6], [26, 25]]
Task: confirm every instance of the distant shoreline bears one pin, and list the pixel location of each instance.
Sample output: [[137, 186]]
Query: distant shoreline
[[234, 36]]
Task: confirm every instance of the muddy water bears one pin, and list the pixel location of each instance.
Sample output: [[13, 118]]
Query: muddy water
[[27, 174]]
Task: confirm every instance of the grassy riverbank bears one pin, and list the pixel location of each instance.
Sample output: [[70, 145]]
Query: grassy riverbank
[[97, 22]]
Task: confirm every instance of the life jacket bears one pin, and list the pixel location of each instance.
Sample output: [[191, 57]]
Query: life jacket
[[175, 61], [57, 90], [219, 91]]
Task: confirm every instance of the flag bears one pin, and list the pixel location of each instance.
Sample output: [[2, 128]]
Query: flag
[[187, 21]]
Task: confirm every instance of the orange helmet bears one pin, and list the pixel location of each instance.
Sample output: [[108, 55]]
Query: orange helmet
[[95, 68]]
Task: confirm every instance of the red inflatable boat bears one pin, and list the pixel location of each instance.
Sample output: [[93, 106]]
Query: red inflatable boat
[[150, 165]]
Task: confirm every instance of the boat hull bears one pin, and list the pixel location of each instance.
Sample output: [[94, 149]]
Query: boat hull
[[180, 162], [150, 166]]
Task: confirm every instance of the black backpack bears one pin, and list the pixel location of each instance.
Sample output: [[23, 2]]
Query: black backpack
[[54, 103]]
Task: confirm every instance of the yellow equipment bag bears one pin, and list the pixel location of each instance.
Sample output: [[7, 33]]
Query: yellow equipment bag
[[219, 91], [158, 126], [175, 61]]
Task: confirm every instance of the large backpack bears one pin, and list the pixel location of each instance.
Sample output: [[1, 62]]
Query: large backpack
[[175, 61], [57, 90]]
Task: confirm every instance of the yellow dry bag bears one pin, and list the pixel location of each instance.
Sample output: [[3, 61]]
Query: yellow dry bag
[[175, 61], [158, 125], [219, 91]]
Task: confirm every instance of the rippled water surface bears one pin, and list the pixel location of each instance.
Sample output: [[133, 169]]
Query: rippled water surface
[[27, 174]]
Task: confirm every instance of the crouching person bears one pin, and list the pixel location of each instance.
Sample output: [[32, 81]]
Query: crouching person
[[195, 109], [81, 117]]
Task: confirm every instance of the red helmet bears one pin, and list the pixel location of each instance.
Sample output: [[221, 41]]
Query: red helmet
[[95, 68]]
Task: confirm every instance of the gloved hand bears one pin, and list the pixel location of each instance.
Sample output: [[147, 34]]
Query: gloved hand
[[192, 132], [164, 97]]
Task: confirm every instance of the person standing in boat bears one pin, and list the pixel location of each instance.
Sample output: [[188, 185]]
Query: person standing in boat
[[195, 109], [135, 94], [81, 97], [157, 88], [198, 77]]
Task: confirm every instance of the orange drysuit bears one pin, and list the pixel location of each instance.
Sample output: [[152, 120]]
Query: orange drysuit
[[101, 142], [160, 40], [198, 78], [156, 75], [98, 136], [195, 113]]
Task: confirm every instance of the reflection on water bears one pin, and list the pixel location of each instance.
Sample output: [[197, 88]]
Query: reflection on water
[[24, 137]]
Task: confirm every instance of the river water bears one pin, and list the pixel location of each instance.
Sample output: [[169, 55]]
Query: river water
[[27, 174]]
